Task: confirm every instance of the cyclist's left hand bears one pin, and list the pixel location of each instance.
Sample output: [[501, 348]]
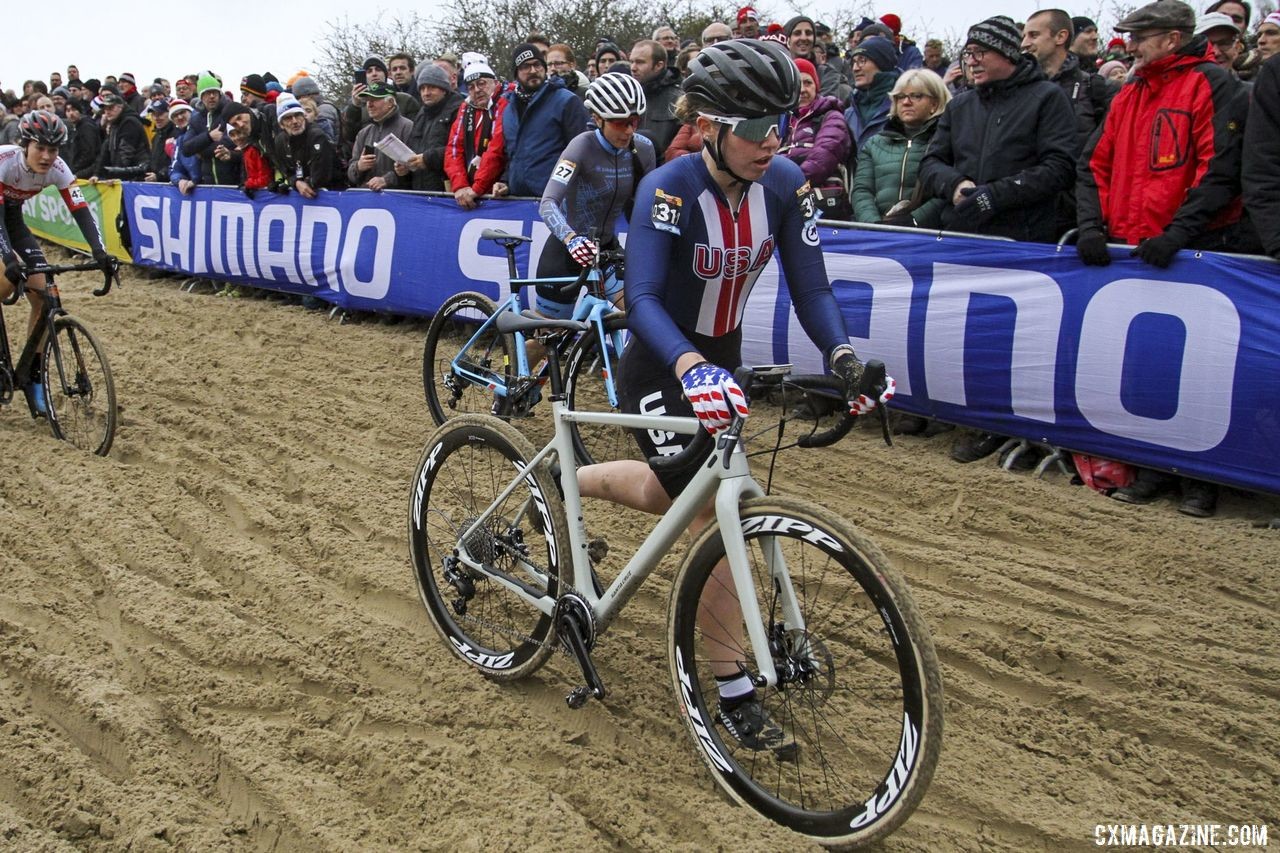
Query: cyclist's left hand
[[105, 262], [583, 250], [862, 395]]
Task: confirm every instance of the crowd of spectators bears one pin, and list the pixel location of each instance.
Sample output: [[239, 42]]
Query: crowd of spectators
[[1035, 132]]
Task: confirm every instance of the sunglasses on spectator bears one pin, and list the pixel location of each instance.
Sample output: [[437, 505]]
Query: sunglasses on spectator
[[623, 123], [911, 96], [751, 129]]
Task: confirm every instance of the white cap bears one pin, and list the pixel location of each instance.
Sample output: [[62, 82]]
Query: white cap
[[1213, 20]]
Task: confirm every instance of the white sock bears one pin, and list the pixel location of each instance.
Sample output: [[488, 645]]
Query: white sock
[[735, 686]]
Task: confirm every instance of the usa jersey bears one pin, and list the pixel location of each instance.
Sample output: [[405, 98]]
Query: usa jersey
[[692, 260], [18, 183]]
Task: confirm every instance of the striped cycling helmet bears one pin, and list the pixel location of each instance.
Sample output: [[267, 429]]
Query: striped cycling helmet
[[43, 126], [615, 95]]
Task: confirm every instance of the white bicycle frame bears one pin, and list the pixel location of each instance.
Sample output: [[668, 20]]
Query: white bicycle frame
[[730, 482]]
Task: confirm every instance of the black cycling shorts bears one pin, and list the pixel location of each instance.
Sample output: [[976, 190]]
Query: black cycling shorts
[[556, 262], [646, 386]]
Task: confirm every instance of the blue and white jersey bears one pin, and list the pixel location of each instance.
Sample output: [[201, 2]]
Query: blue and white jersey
[[692, 260]]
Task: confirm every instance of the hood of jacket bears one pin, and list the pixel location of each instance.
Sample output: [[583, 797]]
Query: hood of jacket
[[1188, 56], [1069, 65]]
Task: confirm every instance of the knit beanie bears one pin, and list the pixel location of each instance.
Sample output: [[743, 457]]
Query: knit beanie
[[304, 86], [1107, 67], [207, 82], [178, 105], [475, 65], [999, 34], [525, 53], [433, 75], [287, 105], [791, 24], [1081, 23], [254, 85], [1273, 18], [607, 47], [880, 51], [893, 22], [806, 67]]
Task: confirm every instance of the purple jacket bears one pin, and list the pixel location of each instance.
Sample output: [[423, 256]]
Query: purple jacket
[[818, 140]]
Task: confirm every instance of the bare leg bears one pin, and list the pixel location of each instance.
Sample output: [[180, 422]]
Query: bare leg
[[633, 484]]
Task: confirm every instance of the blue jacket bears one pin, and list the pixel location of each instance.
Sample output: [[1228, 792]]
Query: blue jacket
[[533, 141], [184, 166]]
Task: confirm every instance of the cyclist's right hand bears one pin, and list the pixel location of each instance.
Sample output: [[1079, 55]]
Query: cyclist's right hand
[[714, 395], [15, 270], [583, 250]]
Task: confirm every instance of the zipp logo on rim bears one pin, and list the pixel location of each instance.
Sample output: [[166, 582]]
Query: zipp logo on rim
[[896, 781], [783, 525], [699, 725], [420, 488], [482, 659]]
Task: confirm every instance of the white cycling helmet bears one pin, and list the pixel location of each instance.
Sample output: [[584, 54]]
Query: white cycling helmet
[[615, 95]]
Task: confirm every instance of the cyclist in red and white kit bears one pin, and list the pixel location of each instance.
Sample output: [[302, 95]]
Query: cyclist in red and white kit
[[25, 170]]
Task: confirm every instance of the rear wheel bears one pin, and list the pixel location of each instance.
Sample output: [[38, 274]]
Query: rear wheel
[[489, 355], [586, 373], [859, 699], [79, 393], [522, 542]]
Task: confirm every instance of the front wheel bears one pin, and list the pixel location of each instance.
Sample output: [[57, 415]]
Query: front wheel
[[79, 393], [488, 356], [521, 542], [588, 373], [859, 699]]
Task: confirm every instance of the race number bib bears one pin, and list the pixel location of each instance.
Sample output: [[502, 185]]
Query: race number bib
[[564, 171], [666, 212]]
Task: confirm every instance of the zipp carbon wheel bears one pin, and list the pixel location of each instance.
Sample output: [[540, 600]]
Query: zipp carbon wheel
[[585, 390], [859, 699], [79, 392], [465, 466], [450, 330]]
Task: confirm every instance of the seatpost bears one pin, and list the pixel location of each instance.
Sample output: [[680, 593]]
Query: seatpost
[[510, 246]]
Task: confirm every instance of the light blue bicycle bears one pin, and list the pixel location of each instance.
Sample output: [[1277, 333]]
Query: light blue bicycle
[[470, 365]]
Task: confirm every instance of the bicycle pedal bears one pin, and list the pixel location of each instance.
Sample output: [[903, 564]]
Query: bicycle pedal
[[578, 697]]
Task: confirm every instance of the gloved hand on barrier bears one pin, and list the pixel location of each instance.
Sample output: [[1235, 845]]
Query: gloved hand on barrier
[[1091, 246], [714, 395]]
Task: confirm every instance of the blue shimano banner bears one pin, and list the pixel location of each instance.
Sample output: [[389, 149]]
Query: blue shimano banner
[[1176, 369]]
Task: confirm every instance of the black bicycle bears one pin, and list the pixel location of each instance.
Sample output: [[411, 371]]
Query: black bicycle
[[77, 396]]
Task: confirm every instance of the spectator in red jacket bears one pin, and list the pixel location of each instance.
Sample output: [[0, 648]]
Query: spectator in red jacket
[[1163, 173], [471, 133]]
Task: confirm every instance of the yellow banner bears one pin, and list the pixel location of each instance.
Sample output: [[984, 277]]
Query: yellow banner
[[47, 216]]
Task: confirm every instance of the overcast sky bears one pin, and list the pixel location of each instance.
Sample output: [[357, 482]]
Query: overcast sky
[[238, 37]]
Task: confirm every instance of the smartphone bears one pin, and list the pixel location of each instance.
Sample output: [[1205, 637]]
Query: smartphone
[[369, 149], [361, 78]]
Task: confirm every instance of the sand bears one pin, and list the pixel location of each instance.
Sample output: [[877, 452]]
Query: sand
[[211, 639]]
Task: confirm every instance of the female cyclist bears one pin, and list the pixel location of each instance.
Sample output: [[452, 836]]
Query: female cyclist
[[592, 184], [705, 226]]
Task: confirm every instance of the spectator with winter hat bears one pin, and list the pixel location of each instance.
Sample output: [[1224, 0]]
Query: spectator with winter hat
[[1084, 42], [471, 134], [206, 132], [909, 55], [307, 90], [184, 169], [430, 133], [128, 88], [748, 23], [163, 132], [305, 156], [875, 71]]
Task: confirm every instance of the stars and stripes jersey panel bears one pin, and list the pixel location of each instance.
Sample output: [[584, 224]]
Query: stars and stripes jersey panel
[[692, 261]]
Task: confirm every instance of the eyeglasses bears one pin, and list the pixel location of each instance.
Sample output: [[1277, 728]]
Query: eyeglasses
[[1134, 38], [1225, 43], [623, 123], [911, 96], [751, 129], [861, 59], [976, 54]]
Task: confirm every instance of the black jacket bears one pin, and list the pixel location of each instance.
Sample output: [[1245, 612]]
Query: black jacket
[[429, 137], [1089, 94], [1016, 136], [310, 157], [160, 156], [124, 153], [1262, 157], [85, 141], [659, 121], [197, 141]]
